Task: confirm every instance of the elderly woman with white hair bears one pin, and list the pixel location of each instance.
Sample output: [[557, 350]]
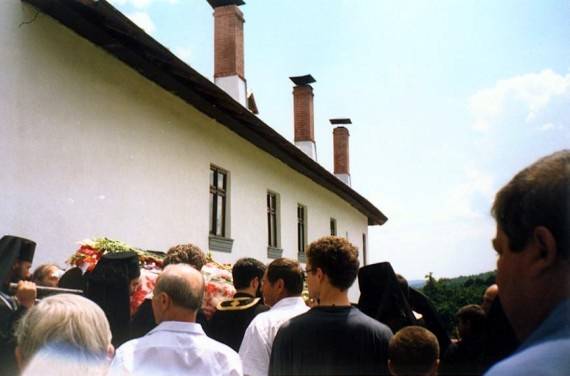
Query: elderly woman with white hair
[[64, 335]]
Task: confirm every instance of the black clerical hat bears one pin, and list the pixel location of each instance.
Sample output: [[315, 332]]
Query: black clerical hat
[[14, 248], [73, 278], [27, 250], [129, 259], [381, 297]]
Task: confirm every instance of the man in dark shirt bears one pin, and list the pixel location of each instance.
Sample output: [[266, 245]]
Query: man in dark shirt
[[16, 256], [233, 316], [332, 338]]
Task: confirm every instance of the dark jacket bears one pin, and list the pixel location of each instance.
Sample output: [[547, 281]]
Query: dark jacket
[[232, 318]]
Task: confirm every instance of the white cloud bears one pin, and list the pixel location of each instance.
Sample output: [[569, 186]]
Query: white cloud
[[550, 127], [143, 20], [471, 199], [534, 95]]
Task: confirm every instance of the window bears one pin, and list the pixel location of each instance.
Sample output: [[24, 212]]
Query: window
[[272, 240], [364, 249], [333, 227], [301, 229], [218, 200]]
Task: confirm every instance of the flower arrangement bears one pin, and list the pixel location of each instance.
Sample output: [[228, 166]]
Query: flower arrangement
[[218, 277]]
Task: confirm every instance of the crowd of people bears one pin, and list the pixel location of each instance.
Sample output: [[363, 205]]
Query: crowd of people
[[521, 326]]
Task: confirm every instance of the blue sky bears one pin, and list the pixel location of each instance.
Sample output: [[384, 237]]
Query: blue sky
[[449, 99]]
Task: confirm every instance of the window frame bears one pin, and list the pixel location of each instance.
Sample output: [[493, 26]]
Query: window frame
[[333, 227], [364, 248], [273, 225], [301, 229], [215, 193]]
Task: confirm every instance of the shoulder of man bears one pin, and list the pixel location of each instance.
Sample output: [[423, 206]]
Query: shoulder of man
[[222, 351], [239, 304], [546, 358], [297, 323], [367, 321]]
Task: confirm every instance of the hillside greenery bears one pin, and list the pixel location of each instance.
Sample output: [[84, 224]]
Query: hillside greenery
[[450, 294]]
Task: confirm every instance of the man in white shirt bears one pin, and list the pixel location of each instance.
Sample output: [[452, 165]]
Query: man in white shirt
[[282, 287], [178, 345]]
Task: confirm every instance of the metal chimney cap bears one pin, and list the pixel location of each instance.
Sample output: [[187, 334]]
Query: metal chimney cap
[[302, 80], [222, 3], [340, 121]]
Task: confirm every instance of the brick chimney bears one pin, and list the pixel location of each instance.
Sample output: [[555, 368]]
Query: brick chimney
[[228, 48], [303, 114], [341, 152]]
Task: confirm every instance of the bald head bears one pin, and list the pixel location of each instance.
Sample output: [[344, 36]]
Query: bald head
[[489, 297], [183, 284]]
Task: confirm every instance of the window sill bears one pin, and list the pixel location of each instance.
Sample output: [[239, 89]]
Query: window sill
[[220, 244], [273, 252]]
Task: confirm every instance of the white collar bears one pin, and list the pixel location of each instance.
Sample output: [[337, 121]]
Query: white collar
[[178, 326], [291, 301]]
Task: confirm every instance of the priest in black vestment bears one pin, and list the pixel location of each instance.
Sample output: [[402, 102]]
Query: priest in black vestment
[[108, 285], [16, 256]]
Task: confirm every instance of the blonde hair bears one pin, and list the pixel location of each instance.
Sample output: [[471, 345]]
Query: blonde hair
[[64, 319]]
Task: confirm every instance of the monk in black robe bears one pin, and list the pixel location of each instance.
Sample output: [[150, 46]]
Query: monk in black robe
[[109, 285], [16, 256]]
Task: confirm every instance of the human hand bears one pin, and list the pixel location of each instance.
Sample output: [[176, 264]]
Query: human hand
[[26, 293]]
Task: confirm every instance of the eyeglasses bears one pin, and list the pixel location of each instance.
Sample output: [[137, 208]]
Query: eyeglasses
[[309, 270]]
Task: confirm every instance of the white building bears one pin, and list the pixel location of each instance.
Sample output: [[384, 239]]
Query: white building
[[104, 132]]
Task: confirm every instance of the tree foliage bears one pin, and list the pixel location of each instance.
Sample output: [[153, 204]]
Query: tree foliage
[[449, 295]]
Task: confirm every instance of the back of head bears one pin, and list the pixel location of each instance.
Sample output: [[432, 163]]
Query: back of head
[[185, 254], [47, 275], [67, 320], [489, 297], [473, 318], [337, 258], [413, 351], [183, 284], [290, 272], [537, 196], [246, 269]]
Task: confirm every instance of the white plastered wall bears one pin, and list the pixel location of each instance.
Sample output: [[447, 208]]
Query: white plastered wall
[[91, 148]]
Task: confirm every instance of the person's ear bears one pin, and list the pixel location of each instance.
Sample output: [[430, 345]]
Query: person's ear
[[280, 284], [320, 274], [110, 351], [544, 251], [254, 284], [390, 368], [19, 360], [434, 368], [163, 300]]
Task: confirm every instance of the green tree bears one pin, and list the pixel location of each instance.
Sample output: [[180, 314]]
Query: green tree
[[449, 295]]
